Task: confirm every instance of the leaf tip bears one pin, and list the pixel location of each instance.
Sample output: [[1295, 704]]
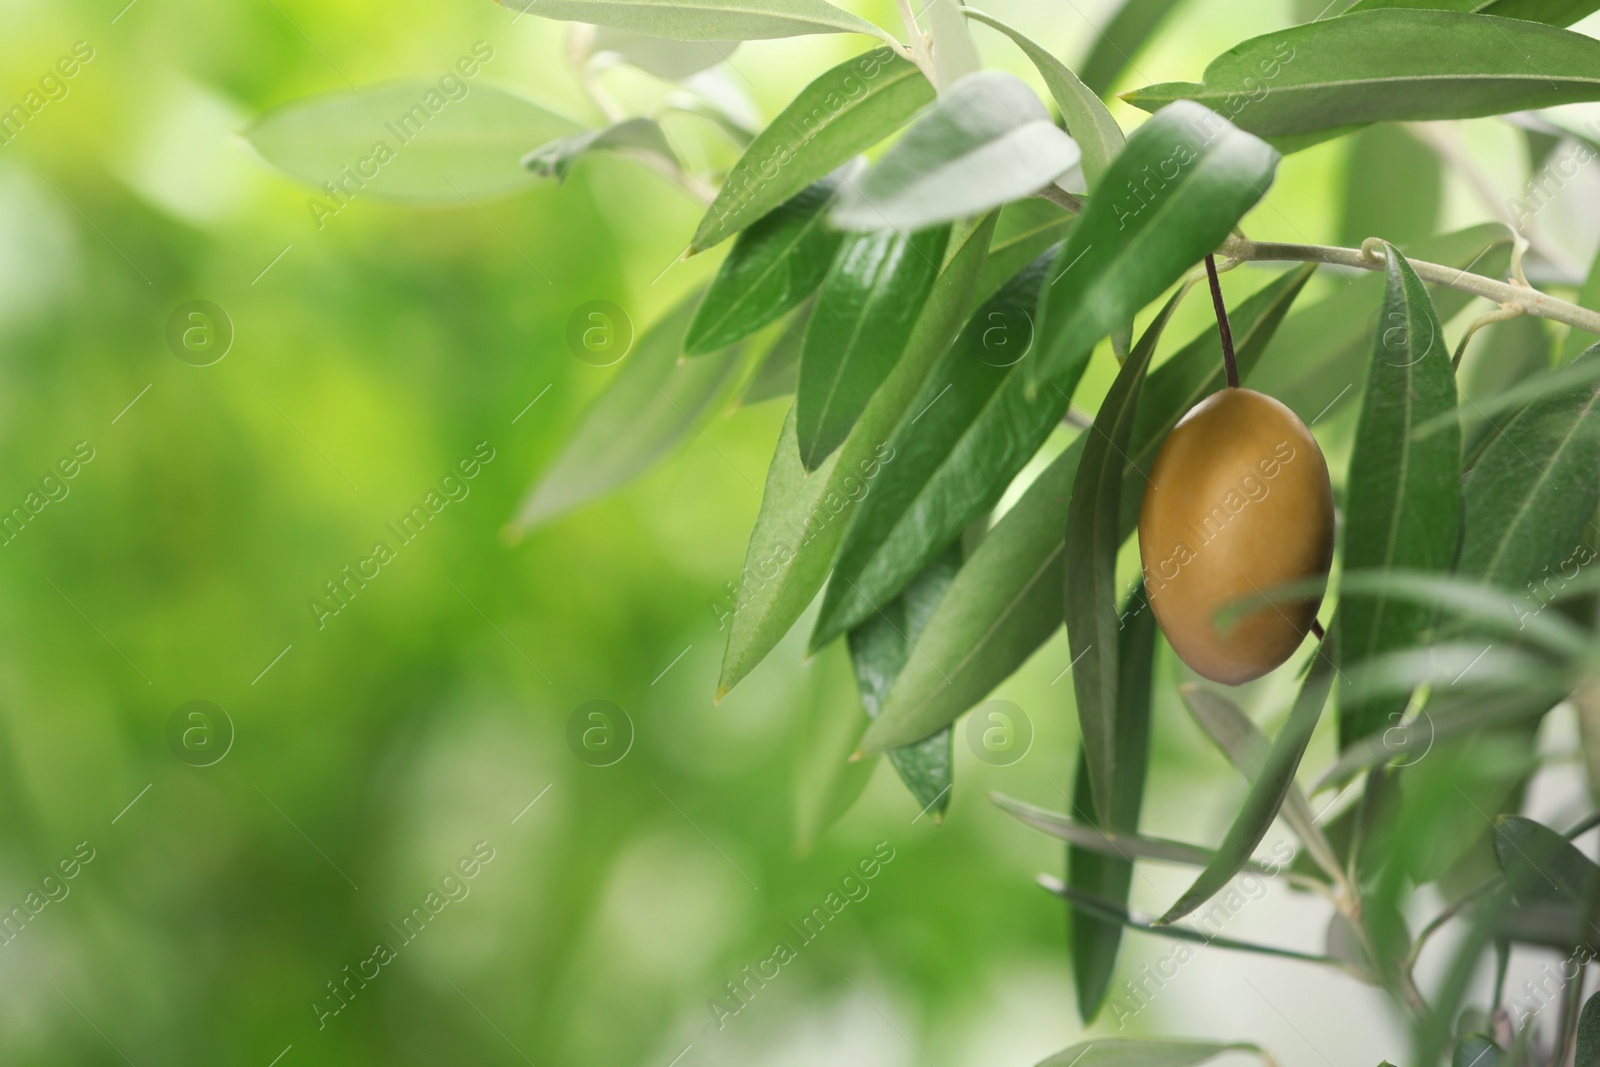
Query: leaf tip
[[857, 756]]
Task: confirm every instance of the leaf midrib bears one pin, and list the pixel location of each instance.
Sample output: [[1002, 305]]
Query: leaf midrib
[[1305, 87]]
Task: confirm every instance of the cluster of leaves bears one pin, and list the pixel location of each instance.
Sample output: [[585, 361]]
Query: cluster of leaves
[[932, 315]]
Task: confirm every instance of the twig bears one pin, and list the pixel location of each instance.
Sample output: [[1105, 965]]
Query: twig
[[1061, 198], [1529, 300], [1229, 364]]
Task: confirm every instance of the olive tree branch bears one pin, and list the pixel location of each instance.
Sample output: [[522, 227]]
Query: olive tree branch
[[1371, 257]]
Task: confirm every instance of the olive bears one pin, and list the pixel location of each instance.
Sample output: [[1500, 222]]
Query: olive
[[1238, 502]]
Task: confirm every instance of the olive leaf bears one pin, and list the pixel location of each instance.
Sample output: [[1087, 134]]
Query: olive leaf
[[654, 401], [845, 111], [1090, 124], [469, 148], [775, 264], [987, 140], [661, 56], [803, 515], [1298, 86], [1139, 235], [880, 649], [868, 306], [634, 137], [1094, 534], [1589, 1034], [1108, 911], [1531, 496], [1461, 715], [1554, 12], [1108, 877], [972, 427], [1086, 835], [1267, 793], [1403, 501], [1247, 749], [1541, 866], [704, 20]]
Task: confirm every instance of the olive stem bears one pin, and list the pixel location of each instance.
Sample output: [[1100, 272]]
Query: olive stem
[[1229, 364], [1530, 300]]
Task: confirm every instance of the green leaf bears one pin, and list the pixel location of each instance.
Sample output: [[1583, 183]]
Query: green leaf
[[1135, 22], [1541, 866], [1094, 533], [1589, 1034], [1267, 793], [864, 316], [1553, 12], [955, 54], [660, 56], [1195, 371], [1112, 912], [1319, 356], [1248, 749], [1465, 714], [1393, 187], [803, 515], [655, 401], [1134, 240], [1107, 842], [1403, 495], [1129, 1052], [774, 265], [633, 137], [1087, 119], [407, 141], [779, 370], [880, 648], [1506, 353], [1095, 941], [1531, 496], [987, 140], [826, 783], [704, 20], [972, 428], [1300, 85], [1026, 228], [843, 112], [1002, 606]]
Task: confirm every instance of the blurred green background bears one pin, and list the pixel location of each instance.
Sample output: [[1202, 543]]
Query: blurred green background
[[373, 753]]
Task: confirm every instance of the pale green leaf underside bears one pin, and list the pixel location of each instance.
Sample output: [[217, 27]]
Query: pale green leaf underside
[[408, 141], [987, 141], [704, 20]]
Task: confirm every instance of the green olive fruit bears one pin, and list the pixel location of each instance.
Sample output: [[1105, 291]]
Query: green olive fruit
[[1238, 502]]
